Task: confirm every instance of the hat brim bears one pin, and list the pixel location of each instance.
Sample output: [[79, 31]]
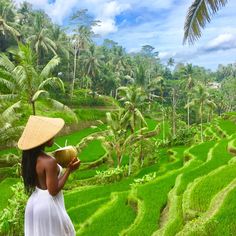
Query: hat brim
[[38, 131]]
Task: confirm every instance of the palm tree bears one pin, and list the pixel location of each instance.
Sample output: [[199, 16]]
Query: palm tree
[[92, 64], [60, 39], [202, 100], [116, 138], [187, 72], [81, 41], [134, 99], [23, 81], [199, 13], [170, 62], [39, 39], [6, 24], [158, 84]]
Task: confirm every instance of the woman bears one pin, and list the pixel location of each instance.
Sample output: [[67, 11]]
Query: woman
[[45, 213]]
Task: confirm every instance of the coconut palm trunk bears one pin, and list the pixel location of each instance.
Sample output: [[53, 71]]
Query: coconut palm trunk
[[74, 73], [33, 108], [163, 121], [173, 113], [188, 112], [201, 117]]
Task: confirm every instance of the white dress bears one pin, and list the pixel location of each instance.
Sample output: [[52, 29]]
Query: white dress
[[45, 215]]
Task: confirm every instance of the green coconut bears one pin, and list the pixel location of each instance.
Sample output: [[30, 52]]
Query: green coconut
[[65, 155]]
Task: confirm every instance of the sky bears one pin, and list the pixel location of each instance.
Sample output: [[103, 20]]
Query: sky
[[159, 23]]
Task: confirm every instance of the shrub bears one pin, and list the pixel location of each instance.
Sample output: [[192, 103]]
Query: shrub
[[184, 136], [12, 217], [111, 175], [145, 179]]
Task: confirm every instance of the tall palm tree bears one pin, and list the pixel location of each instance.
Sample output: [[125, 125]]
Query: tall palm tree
[[23, 81], [187, 72], [40, 40], [202, 100], [158, 84], [133, 98], [199, 13], [92, 64], [171, 62], [81, 42], [7, 26]]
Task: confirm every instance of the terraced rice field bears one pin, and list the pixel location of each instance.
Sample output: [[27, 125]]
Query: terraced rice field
[[192, 184], [193, 193]]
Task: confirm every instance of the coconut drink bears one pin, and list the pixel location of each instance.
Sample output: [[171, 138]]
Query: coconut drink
[[65, 155]]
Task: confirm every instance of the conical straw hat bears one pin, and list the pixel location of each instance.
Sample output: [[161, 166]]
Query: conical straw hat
[[39, 130]]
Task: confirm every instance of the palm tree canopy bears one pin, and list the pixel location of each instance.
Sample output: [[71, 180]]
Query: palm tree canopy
[[199, 13]]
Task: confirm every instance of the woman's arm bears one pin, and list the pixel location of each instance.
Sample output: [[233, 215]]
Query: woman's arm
[[55, 184]]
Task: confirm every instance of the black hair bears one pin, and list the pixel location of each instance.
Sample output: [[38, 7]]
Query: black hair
[[28, 166]]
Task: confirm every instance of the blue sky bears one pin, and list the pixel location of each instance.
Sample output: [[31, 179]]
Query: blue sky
[[134, 23]]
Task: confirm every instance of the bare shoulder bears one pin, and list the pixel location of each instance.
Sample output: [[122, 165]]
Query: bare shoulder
[[47, 161]]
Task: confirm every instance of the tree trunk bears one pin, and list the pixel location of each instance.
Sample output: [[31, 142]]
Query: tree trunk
[[118, 154], [74, 73], [201, 122], [141, 146], [129, 165], [163, 124], [68, 67], [188, 108], [33, 108], [173, 114]]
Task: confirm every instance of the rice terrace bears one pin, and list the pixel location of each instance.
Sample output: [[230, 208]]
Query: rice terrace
[[147, 92]]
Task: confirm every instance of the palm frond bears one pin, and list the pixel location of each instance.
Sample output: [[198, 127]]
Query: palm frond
[[8, 84], [199, 13], [50, 66], [6, 63], [37, 94], [20, 75], [8, 97], [53, 82], [10, 111], [139, 116]]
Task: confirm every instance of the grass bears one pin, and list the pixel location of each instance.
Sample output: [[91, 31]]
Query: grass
[[174, 220], [154, 196], [228, 126], [80, 213], [223, 223], [201, 195], [214, 162], [111, 218], [6, 191], [90, 114], [6, 172], [85, 174]]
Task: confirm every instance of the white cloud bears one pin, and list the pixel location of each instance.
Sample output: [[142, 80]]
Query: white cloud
[[103, 10], [107, 15], [105, 27], [166, 55], [60, 9], [223, 40]]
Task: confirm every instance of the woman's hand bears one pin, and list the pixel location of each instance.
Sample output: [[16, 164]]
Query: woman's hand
[[73, 165]]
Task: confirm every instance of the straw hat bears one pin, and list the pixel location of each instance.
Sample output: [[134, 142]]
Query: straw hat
[[39, 130]]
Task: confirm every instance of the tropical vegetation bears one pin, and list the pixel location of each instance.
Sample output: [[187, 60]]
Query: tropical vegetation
[[157, 142]]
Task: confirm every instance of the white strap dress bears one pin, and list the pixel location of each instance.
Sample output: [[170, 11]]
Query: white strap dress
[[45, 215]]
